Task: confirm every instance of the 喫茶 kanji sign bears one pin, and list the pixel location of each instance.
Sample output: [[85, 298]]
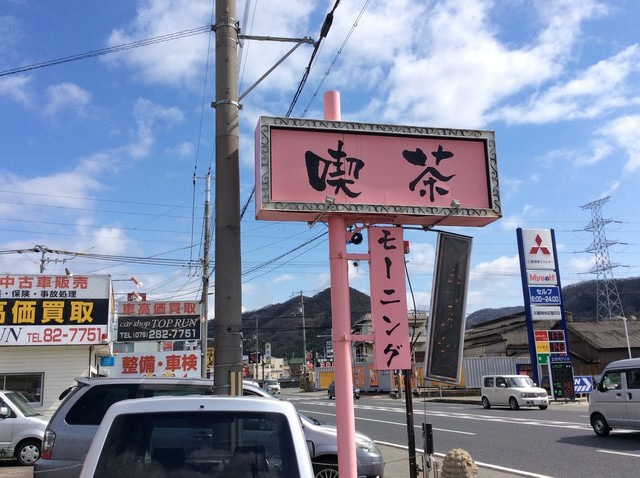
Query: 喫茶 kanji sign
[[306, 169]]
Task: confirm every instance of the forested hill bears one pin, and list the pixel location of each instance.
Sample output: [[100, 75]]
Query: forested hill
[[281, 324], [579, 299]]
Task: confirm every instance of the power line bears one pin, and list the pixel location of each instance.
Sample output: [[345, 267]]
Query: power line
[[326, 26], [335, 58], [106, 51]]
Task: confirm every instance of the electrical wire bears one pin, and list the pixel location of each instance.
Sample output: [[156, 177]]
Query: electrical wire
[[326, 26], [335, 59], [106, 51]]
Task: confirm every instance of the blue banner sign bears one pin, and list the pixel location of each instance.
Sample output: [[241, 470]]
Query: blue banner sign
[[544, 295]]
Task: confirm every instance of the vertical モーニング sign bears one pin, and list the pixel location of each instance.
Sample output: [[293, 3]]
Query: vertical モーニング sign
[[392, 350]]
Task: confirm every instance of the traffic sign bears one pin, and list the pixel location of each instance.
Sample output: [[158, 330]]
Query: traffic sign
[[583, 384]]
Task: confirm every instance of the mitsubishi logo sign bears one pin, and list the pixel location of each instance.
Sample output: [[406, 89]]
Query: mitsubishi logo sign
[[539, 247]]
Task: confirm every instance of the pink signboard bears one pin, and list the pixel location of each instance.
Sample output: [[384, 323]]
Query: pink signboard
[[307, 169], [389, 299]]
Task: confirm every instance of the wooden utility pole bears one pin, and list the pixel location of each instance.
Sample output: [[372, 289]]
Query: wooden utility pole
[[205, 279]]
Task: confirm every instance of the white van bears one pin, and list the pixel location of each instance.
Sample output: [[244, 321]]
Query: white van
[[514, 391], [615, 401]]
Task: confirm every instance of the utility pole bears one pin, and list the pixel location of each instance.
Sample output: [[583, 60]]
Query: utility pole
[[205, 277], [228, 289], [304, 345]]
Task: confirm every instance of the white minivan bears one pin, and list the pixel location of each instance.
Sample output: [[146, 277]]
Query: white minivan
[[615, 401], [514, 391]]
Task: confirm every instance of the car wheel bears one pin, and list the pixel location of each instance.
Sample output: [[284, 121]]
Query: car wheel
[[485, 402], [600, 425], [542, 407], [325, 470], [357, 396], [28, 452], [513, 403]]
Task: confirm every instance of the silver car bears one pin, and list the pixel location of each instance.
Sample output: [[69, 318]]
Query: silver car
[[272, 385], [21, 429]]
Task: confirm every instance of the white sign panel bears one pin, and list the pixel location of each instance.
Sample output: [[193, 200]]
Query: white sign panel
[[546, 312], [178, 363], [538, 249], [539, 277]]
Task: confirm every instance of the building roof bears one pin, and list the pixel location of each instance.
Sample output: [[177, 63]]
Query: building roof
[[607, 334]]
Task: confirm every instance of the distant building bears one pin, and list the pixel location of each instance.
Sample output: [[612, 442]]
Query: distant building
[[592, 345]]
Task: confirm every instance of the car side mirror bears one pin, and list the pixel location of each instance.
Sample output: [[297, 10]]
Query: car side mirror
[[4, 412], [312, 449]]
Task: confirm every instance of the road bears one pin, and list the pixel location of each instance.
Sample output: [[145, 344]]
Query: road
[[557, 442]]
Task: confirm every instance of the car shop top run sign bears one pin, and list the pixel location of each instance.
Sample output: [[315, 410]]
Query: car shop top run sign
[[306, 169]]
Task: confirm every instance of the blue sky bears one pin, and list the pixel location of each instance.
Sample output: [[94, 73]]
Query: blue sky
[[98, 155]]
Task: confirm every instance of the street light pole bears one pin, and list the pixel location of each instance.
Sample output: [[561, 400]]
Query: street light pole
[[626, 334]]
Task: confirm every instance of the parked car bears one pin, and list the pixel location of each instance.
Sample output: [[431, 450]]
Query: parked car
[[198, 436], [272, 385], [514, 391], [21, 429], [324, 438], [76, 420], [332, 391], [370, 462], [68, 436], [615, 401]]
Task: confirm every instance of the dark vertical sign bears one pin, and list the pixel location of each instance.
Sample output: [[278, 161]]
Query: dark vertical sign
[[447, 319]]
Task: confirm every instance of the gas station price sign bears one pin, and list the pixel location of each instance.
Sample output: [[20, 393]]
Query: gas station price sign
[[562, 380]]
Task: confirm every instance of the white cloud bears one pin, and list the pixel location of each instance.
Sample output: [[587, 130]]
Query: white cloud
[[67, 96], [177, 62], [623, 132], [185, 149], [497, 281], [149, 116], [15, 88], [458, 59], [600, 88]]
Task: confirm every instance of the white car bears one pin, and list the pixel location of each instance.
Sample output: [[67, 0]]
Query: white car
[[272, 385], [21, 429], [239, 437], [514, 391]]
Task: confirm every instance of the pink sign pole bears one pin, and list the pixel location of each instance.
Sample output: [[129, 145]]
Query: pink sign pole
[[341, 322]]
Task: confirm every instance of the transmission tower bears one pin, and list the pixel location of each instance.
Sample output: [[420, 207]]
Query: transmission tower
[[609, 305]]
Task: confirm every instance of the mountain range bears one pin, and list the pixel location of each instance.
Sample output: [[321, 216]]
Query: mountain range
[[282, 325]]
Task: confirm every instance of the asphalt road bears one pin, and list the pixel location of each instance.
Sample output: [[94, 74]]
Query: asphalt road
[[557, 442]]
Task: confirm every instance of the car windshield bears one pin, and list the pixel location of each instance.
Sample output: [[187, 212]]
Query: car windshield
[[197, 444], [21, 403], [522, 381]]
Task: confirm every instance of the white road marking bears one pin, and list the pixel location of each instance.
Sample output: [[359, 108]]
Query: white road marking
[[611, 452], [479, 463]]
